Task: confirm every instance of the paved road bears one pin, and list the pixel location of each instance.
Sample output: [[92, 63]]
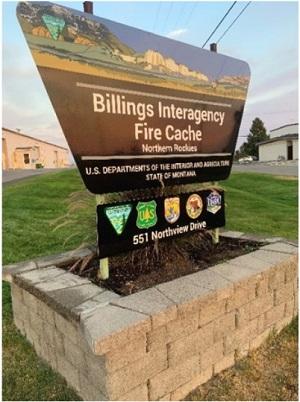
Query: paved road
[[275, 168], [9, 176]]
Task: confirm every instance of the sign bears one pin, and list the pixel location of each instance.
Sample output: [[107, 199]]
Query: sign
[[129, 226], [138, 110]]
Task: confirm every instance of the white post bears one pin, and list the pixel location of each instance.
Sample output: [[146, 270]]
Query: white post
[[103, 271], [215, 232]]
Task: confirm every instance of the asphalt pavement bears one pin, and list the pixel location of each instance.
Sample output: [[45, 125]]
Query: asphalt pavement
[[289, 168], [9, 176]]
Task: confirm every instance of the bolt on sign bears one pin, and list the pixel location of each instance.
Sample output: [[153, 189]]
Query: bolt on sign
[[138, 110], [130, 225]]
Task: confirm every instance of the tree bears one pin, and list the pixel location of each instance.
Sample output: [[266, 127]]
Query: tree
[[258, 133]]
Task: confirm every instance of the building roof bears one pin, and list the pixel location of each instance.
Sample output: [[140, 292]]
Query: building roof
[[286, 125], [33, 138], [286, 137]]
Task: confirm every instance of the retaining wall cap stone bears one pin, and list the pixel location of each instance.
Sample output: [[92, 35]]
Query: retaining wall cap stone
[[89, 307], [8, 271], [150, 301], [232, 234], [281, 248], [65, 300], [209, 279], [254, 237], [232, 272], [273, 257], [39, 275], [182, 290], [64, 281], [251, 262], [111, 327]]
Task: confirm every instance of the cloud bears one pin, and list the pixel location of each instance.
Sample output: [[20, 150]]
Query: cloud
[[177, 33], [275, 92]]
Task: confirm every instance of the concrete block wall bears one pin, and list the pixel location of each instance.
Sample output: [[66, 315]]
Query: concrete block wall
[[161, 343]]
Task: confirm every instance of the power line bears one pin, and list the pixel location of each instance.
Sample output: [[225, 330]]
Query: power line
[[191, 13], [180, 15], [228, 11], [238, 16], [156, 16], [168, 15]]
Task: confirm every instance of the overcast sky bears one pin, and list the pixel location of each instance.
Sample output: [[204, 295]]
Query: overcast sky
[[265, 36]]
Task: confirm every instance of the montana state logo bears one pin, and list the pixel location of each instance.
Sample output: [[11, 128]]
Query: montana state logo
[[172, 209], [146, 214], [214, 202], [194, 206]]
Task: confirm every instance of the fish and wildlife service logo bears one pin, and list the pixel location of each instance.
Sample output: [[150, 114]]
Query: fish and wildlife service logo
[[146, 214], [194, 206], [172, 209], [118, 216], [54, 25], [214, 202]]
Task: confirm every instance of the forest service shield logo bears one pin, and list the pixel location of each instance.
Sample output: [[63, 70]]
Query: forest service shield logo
[[146, 214]]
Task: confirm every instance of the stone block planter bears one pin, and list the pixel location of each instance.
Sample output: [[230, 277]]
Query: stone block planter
[[160, 343]]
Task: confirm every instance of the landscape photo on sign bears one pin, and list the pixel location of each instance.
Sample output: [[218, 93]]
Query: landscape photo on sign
[[137, 109]]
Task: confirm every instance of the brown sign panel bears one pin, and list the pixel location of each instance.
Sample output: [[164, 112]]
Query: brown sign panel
[[137, 109]]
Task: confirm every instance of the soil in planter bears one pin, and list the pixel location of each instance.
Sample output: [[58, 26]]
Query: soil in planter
[[158, 263]]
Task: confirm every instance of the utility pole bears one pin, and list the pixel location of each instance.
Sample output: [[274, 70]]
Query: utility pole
[[213, 47], [103, 272], [88, 7]]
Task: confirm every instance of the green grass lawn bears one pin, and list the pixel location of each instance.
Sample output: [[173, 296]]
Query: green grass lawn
[[259, 204], [269, 373], [255, 204]]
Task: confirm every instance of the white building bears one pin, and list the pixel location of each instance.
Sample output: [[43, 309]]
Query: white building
[[283, 144], [21, 151]]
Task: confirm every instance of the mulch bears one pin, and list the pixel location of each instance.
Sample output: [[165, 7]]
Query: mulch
[[161, 262]]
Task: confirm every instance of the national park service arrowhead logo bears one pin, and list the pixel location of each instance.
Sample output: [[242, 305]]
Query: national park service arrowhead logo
[[118, 216], [146, 214], [172, 209], [214, 202], [55, 25]]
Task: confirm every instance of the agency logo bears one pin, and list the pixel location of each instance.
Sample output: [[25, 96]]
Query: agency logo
[[54, 25], [194, 206], [172, 209], [214, 202], [118, 216], [146, 214]]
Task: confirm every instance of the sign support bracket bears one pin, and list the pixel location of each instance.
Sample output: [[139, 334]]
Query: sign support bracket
[[215, 232]]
